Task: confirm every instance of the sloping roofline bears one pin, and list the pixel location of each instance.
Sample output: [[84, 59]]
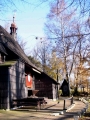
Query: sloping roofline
[[54, 81], [8, 41]]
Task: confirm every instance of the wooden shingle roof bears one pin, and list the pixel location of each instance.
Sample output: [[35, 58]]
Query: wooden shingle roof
[[2, 48], [8, 41]]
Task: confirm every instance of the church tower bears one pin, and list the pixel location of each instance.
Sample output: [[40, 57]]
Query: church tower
[[13, 29]]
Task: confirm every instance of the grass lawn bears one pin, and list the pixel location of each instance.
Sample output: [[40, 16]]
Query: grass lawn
[[24, 115]]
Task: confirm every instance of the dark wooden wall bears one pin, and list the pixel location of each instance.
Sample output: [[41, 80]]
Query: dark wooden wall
[[16, 82], [3, 87], [45, 89], [12, 84]]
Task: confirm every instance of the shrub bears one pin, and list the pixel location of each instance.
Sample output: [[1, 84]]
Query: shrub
[[76, 92], [71, 91], [59, 92]]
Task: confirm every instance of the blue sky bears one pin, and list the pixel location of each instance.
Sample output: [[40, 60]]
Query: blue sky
[[29, 18]]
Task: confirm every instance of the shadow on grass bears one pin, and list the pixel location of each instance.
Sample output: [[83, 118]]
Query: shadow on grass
[[87, 114]]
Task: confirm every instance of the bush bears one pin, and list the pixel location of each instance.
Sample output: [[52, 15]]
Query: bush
[[76, 92], [71, 92], [59, 92]]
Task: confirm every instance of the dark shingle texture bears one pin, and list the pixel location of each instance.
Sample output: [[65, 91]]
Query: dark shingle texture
[[8, 41], [2, 48]]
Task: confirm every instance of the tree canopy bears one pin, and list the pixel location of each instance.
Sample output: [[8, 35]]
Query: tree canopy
[[70, 39]]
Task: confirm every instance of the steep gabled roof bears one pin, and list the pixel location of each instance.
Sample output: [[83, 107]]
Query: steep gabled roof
[[8, 41], [64, 82], [2, 48]]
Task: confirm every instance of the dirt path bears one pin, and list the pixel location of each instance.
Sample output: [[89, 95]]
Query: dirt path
[[45, 114]]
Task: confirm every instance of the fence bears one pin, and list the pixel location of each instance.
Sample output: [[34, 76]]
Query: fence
[[67, 102]]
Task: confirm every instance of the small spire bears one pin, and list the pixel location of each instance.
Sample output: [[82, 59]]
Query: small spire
[[13, 28], [13, 18], [14, 14]]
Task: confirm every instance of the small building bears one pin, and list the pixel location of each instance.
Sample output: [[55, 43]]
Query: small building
[[65, 88], [47, 87], [18, 76]]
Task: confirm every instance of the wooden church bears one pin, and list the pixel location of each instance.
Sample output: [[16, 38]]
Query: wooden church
[[18, 76]]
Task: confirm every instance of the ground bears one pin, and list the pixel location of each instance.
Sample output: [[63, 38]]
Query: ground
[[45, 114]]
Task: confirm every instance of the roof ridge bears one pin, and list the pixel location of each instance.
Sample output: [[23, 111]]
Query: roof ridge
[[13, 45]]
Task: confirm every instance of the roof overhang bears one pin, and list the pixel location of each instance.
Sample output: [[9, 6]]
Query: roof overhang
[[36, 70]]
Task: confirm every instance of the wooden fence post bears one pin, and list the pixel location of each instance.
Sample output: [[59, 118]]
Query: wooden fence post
[[64, 105]]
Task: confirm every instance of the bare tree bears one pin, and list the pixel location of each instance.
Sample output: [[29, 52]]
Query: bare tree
[[81, 56], [51, 64], [41, 52], [22, 43], [59, 27], [82, 5], [69, 37]]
